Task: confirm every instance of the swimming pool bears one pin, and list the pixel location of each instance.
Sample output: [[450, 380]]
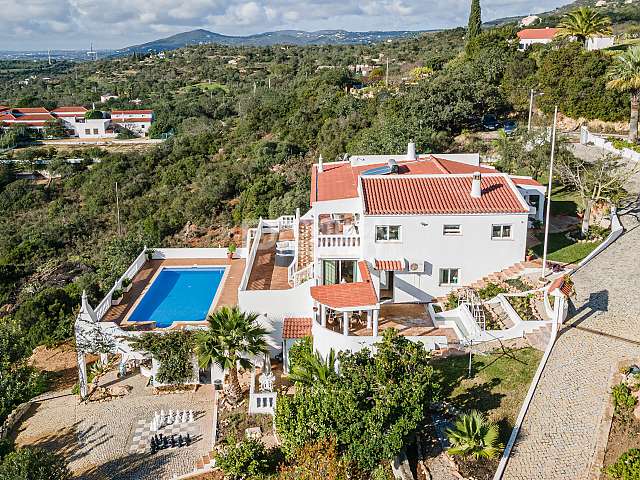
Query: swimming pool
[[179, 294]]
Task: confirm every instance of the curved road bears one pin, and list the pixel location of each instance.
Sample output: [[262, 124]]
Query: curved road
[[560, 430]]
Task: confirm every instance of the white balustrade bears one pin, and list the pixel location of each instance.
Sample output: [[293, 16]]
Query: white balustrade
[[300, 276], [337, 241]]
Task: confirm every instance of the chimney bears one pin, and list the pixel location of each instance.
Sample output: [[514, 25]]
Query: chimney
[[411, 150], [320, 167], [476, 189]]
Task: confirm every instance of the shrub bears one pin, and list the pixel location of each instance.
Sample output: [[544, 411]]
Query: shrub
[[126, 281], [315, 461], [623, 400], [300, 352], [452, 301], [490, 291], [627, 467], [34, 464], [174, 351], [248, 459], [18, 383]]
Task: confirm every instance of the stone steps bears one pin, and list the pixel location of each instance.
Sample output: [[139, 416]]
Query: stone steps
[[539, 338]]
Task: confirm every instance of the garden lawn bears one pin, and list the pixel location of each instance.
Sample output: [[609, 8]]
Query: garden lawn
[[498, 386], [563, 250]]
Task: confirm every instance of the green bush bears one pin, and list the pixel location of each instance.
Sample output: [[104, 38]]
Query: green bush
[[174, 351], [490, 291], [246, 460], [627, 467], [18, 383], [623, 399], [452, 301], [34, 464], [619, 143], [300, 351]]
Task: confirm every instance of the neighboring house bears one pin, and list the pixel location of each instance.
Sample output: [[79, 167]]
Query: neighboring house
[[384, 230], [138, 121], [530, 20], [74, 121], [598, 43], [531, 36]]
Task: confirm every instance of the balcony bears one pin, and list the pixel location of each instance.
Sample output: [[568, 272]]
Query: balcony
[[338, 234]]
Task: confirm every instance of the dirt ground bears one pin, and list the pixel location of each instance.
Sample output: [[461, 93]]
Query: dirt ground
[[60, 363], [624, 434]]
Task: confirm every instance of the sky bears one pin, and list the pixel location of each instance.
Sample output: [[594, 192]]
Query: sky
[[74, 24]]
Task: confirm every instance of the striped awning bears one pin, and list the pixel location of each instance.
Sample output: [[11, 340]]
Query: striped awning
[[389, 264]]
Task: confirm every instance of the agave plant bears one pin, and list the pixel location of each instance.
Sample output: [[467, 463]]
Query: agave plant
[[474, 436]]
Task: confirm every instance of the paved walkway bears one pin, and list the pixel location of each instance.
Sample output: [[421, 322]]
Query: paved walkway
[[560, 431]]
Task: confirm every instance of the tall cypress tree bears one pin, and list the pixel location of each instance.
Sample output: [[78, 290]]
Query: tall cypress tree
[[475, 20]]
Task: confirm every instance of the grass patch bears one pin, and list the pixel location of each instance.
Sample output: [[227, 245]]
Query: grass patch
[[205, 87], [562, 249], [564, 201], [498, 385]]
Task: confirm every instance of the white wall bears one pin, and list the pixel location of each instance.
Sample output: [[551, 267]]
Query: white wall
[[422, 240], [597, 43]]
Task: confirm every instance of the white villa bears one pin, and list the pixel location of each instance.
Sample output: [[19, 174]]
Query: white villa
[[384, 238]]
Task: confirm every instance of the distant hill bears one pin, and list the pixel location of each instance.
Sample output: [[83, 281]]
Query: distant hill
[[287, 37]]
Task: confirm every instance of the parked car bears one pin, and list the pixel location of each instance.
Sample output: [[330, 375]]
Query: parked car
[[490, 122], [510, 126]]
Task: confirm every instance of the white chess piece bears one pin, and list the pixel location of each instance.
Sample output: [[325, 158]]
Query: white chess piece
[[185, 416], [171, 418], [191, 419]]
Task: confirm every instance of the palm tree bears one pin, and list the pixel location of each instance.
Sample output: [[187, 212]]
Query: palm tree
[[624, 76], [584, 23], [314, 370], [232, 336], [473, 435]]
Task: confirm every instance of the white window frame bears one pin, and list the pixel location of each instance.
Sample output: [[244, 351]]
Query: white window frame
[[448, 269], [502, 227], [456, 229], [387, 240]]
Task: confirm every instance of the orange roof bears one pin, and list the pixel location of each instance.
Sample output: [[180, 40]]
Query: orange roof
[[3, 107], [526, 181], [7, 117], [27, 111], [296, 327], [389, 264], [34, 116], [537, 33], [131, 120], [346, 295], [339, 180], [129, 112], [69, 109], [393, 195]]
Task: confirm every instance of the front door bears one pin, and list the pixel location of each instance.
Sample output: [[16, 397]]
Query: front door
[[386, 285]]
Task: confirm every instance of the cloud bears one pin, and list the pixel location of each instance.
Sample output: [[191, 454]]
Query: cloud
[[73, 24]]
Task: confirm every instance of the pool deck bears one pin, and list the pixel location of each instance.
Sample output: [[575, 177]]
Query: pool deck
[[228, 294]]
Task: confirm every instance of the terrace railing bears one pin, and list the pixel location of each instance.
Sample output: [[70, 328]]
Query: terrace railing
[[253, 242], [337, 241], [129, 273], [298, 277]]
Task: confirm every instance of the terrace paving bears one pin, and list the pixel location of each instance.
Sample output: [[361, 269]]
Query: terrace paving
[[265, 274], [95, 437], [228, 295]]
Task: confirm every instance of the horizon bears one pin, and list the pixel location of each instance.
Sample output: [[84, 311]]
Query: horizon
[[63, 25]]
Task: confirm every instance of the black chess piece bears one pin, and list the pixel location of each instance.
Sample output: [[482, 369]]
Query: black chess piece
[[188, 439], [154, 448], [165, 442], [180, 441], [153, 442], [173, 441]]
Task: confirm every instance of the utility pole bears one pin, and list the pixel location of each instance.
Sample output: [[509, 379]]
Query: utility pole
[[386, 77], [530, 110], [546, 222], [118, 209]]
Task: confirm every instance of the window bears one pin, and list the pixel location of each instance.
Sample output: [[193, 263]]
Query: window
[[87, 131], [387, 233], [500, 232], [338, 271], [449, 276], [95, 131], [451, 230]]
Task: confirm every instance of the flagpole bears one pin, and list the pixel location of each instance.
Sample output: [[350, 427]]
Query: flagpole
[[546, 222]]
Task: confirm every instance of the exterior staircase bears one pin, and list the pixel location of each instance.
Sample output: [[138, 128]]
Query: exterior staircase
[[305, 243], [539, 338]]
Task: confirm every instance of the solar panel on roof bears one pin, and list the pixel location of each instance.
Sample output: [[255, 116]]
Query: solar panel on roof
[[386, 170]]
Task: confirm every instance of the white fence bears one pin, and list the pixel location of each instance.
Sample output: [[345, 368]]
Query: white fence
[[332, 241], [253, 242], [131, 272], [168, 253], [587, 137]]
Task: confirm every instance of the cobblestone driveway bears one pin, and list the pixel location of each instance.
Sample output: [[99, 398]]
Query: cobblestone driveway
[[559, 433]]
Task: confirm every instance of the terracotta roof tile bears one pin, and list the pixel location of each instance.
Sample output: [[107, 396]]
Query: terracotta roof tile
[[537, 33], [389, 264], [69, 109], [398, 195], [26, 111], [130, 112], [526, 181], [346, 295], [296, 327]]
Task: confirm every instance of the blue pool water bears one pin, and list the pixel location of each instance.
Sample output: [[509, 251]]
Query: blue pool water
[[179, 295]]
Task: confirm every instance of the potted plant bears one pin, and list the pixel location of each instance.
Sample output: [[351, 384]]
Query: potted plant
[[231, 249], [530, 255], [126, 284], [149, 252], [116, 296]]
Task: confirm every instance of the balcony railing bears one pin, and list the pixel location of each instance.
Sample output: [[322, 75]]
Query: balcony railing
[[338, 241]]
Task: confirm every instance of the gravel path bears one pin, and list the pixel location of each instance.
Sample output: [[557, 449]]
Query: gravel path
[[560, 431]]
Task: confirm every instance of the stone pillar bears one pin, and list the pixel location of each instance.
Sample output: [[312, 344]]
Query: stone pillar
[[369, 324], [82, 374], [345, 324], [375, 322], [323, 315]]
